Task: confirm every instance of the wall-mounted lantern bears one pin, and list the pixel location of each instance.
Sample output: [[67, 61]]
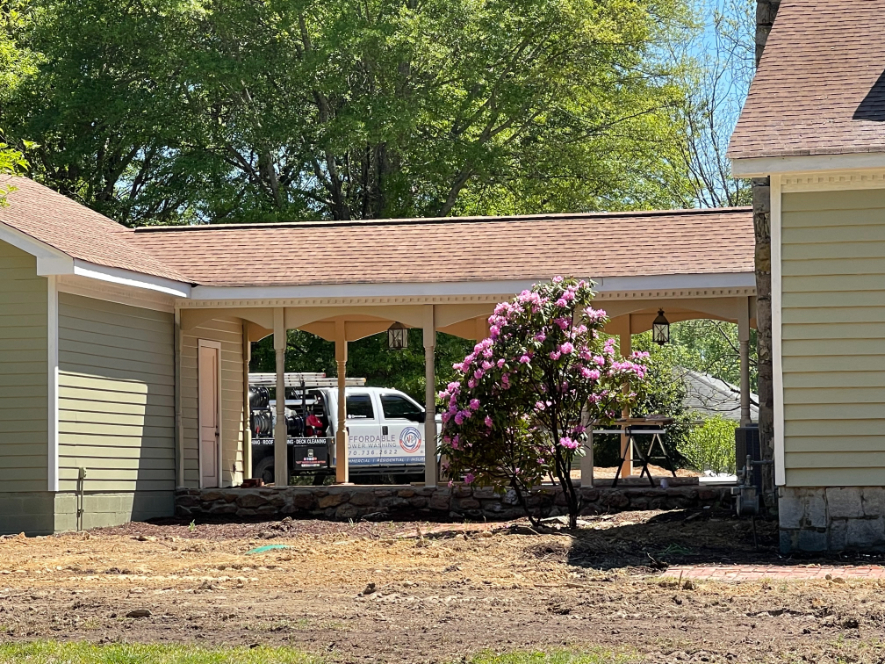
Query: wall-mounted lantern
[[660, 329], [397, 337]]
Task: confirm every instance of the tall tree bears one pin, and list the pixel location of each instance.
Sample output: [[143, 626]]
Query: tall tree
[[715, 63], [240, 110]]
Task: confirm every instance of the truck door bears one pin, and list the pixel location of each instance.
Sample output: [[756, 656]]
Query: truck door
[[363, 429], [402, 431]]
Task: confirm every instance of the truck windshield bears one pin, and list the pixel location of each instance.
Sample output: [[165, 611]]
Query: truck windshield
[[397, 407], [359, 407]]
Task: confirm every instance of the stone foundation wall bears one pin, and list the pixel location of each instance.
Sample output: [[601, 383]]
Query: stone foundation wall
[[354, 502], [832, 519]]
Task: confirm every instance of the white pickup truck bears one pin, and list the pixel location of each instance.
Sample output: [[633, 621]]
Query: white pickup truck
[[385, 430]]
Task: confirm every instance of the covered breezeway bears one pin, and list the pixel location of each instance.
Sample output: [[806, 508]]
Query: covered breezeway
[[699, 266]]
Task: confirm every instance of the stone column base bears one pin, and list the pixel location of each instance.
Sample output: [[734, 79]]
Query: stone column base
[[832, 519]]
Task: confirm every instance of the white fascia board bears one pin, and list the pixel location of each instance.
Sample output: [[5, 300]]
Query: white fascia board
[[676, 282], [491, 288], [764, 166], [50, 261], [134, 279], [468, 288]]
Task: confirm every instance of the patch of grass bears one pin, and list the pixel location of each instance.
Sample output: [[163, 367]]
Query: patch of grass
[[591, 656], [676, 550], [52, 652]]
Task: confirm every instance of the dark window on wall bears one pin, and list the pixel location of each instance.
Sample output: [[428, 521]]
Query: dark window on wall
[[359, 407], [397, 407]]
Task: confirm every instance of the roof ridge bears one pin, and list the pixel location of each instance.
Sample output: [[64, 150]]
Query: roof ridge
[[444, 220]]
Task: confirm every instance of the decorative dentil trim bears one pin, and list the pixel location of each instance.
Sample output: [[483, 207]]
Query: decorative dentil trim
[[689, 293], [833, 181]]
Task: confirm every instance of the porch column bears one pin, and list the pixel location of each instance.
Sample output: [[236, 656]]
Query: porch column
[[342, 457], [744, 340], [247, 425], [280, 435], [587, 459], [430, 474], [626, 350], [482, 328]]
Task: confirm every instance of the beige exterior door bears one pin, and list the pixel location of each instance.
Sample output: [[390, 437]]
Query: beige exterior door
[[210, 414]]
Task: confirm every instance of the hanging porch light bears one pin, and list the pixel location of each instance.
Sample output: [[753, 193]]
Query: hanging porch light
[[397, 336], [660, 329]]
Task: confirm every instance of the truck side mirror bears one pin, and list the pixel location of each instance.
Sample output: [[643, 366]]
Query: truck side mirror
[[416, 417]]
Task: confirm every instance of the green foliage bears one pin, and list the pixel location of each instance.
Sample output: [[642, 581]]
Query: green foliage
[[174, 111], [15, 63], [704, 346], [663, 394], [52, 652], [368, 358], [710, 446], [11, 163]]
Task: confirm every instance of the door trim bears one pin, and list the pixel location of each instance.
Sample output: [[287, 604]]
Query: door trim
[[205, 343]]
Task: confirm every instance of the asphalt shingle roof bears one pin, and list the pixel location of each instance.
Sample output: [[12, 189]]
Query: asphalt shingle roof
[[820, 87], [77, 231], [395, 251]]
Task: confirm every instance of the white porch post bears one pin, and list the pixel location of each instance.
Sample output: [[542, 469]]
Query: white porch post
[[280, 437], [587, 459], [342, 455], [744, 340], [247, 428], [430, 470], [626, 350]]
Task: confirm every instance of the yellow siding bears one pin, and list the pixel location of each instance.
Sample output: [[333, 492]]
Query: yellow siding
[[23, 372], [833, 337], [116, 396], [229, 331]]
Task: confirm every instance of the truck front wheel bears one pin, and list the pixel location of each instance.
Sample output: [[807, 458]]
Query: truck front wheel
[[265, 470]]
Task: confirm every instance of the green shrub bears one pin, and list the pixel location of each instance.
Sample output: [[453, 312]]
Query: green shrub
[[710, 446]]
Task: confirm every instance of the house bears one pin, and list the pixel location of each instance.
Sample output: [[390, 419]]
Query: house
[[814, 126], [708, 396], [124, 352]]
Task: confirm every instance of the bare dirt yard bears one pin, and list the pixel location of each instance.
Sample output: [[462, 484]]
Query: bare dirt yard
[[423, 592]]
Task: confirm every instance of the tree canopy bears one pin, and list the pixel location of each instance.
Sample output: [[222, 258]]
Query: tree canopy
[[177, 111], [15, 63]]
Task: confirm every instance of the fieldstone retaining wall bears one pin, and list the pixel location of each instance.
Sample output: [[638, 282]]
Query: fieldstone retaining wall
[[354, 502], [832, 519]]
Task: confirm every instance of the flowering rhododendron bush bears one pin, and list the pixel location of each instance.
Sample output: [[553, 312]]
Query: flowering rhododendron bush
[[518, 412]]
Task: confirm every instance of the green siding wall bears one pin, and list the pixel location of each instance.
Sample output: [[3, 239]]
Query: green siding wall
[[23, 372], [116, 396], [833, 335], [229, 331]]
